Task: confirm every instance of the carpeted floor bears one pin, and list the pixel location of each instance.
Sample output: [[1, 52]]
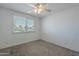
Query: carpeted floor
[[38, 48]]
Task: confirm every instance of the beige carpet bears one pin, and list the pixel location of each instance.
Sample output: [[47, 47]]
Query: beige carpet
[[38, 48]]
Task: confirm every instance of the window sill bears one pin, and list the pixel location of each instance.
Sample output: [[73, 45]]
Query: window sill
[[23, 32]]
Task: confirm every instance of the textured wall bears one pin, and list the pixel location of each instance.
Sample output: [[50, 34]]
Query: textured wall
[[62, 28], [7, 37]]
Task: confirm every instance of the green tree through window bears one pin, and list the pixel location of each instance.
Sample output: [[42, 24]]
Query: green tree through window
[[22, 24]]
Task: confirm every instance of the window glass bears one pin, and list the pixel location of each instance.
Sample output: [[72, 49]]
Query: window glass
[[19, 24], [30, 25]]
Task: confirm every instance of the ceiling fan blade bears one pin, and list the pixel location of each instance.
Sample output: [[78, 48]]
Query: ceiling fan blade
[[43, 4], [30, 11], [48, 10], [31, 5]]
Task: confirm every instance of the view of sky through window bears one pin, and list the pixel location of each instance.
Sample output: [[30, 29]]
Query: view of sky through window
[[22, 24]]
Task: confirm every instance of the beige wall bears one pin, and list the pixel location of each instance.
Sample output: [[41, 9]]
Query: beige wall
[[62, 28], [7, 37]]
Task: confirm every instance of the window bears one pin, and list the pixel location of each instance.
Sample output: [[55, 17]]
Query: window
[[30, 25], [22, 24]]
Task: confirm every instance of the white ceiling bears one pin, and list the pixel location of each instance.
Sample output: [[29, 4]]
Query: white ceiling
[[25, 8]]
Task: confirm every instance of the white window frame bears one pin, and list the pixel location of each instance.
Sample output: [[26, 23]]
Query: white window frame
[[25, 25]]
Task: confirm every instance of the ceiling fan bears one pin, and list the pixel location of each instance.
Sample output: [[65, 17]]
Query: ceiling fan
[[39, 7]]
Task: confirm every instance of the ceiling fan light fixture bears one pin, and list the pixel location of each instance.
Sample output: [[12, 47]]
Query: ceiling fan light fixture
[[35, 10], [39, 8]]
